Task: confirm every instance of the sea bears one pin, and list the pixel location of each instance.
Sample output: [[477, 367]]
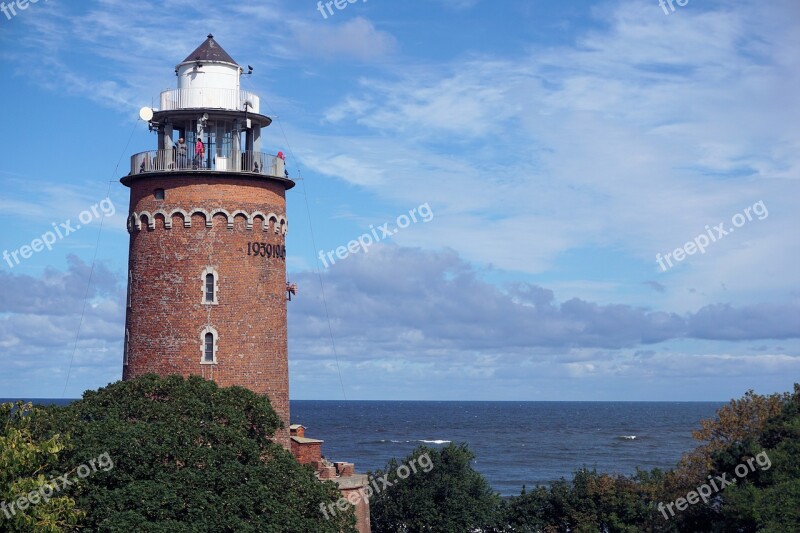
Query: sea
[[515, 443]]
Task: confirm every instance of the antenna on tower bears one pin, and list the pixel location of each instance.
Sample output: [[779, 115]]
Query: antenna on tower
[[146, 114], [247, 122]]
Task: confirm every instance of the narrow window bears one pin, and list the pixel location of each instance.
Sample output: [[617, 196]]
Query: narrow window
[[125, 348], [159, 194], [209, 340], [209, 286], [208, 356]]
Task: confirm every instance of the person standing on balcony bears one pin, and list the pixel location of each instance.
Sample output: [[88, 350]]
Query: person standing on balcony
[[199, 150], [282, 157], [182, 152]]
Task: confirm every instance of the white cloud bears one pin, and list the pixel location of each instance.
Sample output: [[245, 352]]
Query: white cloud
[[632, 141], [356, 38]]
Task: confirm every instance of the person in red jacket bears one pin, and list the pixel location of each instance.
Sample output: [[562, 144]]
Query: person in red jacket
[[283, 158], [199, 150]]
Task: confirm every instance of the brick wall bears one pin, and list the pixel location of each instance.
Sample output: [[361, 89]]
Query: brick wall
[[167, 316], [358, 498], [307, 453]]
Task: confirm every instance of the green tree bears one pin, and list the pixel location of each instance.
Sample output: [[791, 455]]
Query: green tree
[[740, 419], [734, 426], [767, 498], [451, 497], [591, 502], [24, 461], [188, 456]]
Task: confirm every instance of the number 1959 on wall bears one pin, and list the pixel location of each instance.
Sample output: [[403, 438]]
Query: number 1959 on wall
[[263, 249]]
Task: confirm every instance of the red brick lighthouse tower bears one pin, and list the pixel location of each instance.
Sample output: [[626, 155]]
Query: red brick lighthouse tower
[[207, 284]]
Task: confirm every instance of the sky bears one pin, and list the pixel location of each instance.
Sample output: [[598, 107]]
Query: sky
[[599, 198]]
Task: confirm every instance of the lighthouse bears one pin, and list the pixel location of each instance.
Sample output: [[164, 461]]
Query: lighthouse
[[207, 289]]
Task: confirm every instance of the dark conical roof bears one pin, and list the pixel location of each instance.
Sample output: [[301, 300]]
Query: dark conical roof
[[210, 50]]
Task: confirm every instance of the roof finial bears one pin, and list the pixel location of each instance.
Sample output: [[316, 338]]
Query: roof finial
[[210, 36]]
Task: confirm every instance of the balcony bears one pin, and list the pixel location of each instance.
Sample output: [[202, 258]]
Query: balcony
[[242, 162], [208, 98]]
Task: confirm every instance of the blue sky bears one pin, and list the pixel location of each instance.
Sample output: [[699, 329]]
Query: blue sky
[[560, 146]]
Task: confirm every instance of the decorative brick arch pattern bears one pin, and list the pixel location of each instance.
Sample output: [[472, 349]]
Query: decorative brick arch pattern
[[135, 220]]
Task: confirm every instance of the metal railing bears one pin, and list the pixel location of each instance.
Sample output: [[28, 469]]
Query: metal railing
[[234, 99], [171, 161]]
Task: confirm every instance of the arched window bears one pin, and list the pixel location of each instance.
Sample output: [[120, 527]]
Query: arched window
[[210, 286], [208, 346]]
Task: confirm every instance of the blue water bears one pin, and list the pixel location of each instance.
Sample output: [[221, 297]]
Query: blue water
[[515, 443]]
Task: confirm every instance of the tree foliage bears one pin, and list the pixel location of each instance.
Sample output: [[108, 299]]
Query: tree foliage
[[736, 421], [591, 502], [187, 456], [450, 498], [767, 499], [24, 461]]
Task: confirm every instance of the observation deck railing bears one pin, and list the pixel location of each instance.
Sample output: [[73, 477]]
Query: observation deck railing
[[171, 161]]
